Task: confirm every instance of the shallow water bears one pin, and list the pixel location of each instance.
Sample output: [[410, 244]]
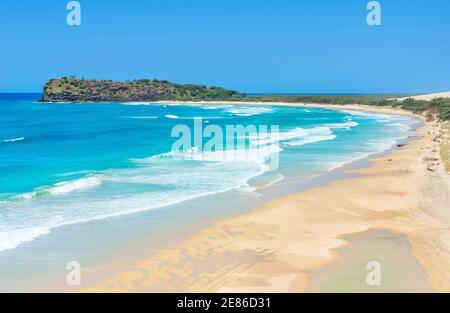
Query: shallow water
[[399, 270]]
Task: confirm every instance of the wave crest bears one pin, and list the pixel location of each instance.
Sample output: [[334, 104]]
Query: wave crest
[[13, 140], [63, 187], [249, 111]]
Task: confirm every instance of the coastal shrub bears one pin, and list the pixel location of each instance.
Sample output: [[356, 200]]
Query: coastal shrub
[[416, 106], [442, 106]]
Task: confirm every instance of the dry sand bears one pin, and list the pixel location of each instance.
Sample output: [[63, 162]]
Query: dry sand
[[277, 248], [429, 97], [445, 146]]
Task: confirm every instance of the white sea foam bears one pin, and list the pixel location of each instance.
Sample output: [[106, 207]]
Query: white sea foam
[[25, 196], [13, 139], [27, 230], [142, 117], [170, 116], [260, 154], [348, 125], [375, 147], [139, 103], [10, 239], [249, 111], [62, 188], [311, 139], [176, 183], [174, 117], [69, 186], [162, 104], [82, 172], [402, 126], [214, 107], [296, 136], [380, 117]]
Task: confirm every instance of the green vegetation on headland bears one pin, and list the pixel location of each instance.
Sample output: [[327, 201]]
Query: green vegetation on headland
[[82, 90]]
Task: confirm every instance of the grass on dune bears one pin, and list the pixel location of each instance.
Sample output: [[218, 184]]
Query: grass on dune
[[445, 147]]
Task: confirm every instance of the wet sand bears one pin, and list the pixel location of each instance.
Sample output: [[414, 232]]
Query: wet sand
[[398, 270]]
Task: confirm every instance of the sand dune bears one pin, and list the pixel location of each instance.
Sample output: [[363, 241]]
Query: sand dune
[[429, 97]]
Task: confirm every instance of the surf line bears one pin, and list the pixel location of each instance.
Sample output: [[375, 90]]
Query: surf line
[[233, 139], [14, 139]]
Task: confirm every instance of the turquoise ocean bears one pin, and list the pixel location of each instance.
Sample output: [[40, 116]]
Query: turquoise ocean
[[76, 164]]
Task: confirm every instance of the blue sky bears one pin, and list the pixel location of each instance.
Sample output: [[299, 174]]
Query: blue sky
[[315, 46]]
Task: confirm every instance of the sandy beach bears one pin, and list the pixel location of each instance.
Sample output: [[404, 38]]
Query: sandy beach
[[282, 246]]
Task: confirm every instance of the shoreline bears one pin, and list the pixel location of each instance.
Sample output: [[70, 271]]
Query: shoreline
[[274, 248], [356, 107]]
